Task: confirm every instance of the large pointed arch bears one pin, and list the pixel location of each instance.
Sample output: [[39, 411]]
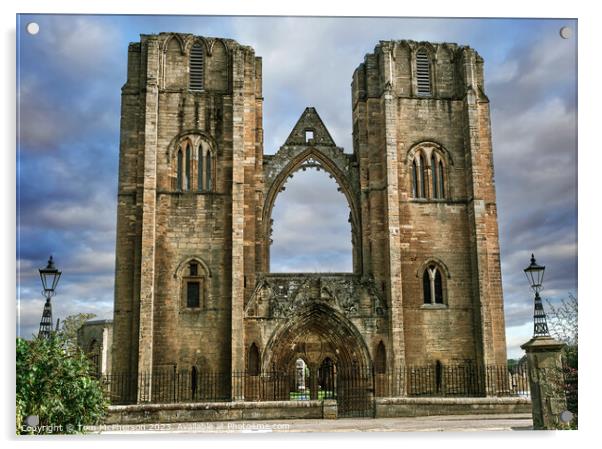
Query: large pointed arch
[[334, 162], [317, 322]]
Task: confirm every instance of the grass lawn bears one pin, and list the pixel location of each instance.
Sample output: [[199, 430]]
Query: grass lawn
[[306, 395]]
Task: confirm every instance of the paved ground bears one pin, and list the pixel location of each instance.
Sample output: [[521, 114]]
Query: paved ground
[[422, 424]]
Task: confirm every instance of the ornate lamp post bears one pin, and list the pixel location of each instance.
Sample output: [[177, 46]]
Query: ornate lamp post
[[544, 361], [50, 278], [534, 275]]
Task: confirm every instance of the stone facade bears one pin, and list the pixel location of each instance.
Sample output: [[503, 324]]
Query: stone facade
[[195, 200]]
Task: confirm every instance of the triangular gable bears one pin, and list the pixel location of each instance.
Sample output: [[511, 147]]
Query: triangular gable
[[310, 121]]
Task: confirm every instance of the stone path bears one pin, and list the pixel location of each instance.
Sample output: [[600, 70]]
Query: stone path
[[421, 424]]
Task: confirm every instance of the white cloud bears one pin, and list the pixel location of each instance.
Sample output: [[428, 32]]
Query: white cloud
[[98, 214], [504, 73], [81, 45], [311, 229], [309, 62], [515, 337]]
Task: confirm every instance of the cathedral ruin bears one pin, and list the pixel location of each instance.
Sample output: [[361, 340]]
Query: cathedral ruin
[[193, 286]]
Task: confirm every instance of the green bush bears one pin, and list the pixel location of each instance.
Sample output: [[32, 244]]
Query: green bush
[[54, 384]]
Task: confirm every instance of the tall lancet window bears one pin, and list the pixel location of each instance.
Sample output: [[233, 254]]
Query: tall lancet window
[[197, 67], [422, 179], [187, 180], [438, 285], [427, 172], [180, 177], [434, 173], [208, 166], [426, 287], [414, 179], [200, 172], [441, 181]]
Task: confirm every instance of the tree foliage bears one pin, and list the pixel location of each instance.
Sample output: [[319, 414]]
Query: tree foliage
[[54, 384], [70, 326], [563, 324]]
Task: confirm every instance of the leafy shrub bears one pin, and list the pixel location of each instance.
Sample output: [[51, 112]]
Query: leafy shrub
[[54, 384]]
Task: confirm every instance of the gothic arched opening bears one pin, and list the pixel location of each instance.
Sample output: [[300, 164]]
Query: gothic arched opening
[[311, 223], [325, 340]]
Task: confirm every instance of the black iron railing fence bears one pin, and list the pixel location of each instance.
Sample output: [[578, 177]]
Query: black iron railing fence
[[454, 380], [347, 386]]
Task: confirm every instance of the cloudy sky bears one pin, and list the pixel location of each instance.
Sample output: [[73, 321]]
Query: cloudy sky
[[71, 72]]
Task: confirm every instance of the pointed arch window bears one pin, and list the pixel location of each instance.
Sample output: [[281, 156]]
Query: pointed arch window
[[187, 178], [253, 360], [200, 170], [426, 287], [180, 177], [441, 181], [423, 73], [427, 172], [438, 288], [414, 179], [434, 173], [432, 285], [208, 171], [193, 166], [422, 178], [197, 67]]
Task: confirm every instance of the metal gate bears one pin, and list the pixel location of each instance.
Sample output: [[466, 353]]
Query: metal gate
[[355, 392]]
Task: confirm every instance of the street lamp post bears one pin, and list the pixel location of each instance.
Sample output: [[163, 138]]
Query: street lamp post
[[544, 359], [534, 273], [50, 278]]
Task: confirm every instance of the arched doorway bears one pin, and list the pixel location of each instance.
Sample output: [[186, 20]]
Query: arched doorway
[[335, 353], [326, 376]]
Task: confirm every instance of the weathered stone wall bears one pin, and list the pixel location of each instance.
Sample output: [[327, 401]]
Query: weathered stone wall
[[326, 409], [159, 227], [95, 338], [458, 232], [217, 411], [410, 407], [225, 227]]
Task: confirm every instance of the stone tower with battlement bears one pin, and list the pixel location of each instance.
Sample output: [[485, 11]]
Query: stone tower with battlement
[[193, 287]]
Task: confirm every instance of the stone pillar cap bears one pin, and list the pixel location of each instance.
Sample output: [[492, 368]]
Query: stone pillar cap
[[542, 344]]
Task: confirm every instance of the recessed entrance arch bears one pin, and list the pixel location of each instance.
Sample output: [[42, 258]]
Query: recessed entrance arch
[[315, 333], [336, 355]]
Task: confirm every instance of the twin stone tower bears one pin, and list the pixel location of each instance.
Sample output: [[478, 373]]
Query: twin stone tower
[[193, 286]]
